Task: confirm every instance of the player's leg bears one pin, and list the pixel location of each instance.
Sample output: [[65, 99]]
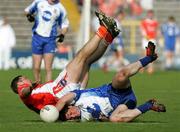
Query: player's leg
[[37, 59], [99, 51], [94, 57], [123, 114], [121, 79], [48, 61], [76, 66], [48, 56], [169, 46], [37, 56]]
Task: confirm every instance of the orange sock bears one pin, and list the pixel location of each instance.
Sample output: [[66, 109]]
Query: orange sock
[[109, 38], [102, 32]]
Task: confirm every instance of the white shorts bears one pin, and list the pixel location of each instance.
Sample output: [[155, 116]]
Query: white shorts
[[62, 86]]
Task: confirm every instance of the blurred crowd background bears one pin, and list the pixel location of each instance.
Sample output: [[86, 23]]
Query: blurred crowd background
[[126, 48]]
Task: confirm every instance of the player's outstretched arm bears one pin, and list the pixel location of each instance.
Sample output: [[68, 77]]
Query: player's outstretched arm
[[66, 99]]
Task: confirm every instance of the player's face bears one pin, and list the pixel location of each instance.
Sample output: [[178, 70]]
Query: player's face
[[150, 15], [72, 113], [24, 80]]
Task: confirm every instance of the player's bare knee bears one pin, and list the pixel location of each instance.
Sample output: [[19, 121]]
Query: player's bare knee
[[120, 79], [48, 70], [36, 69], [122, 75]]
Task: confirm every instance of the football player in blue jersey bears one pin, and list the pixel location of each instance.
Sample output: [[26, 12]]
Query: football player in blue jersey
[[115, 102], [170, 32], [74, 76], [48, 16]]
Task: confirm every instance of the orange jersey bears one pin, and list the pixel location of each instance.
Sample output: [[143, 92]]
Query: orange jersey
[[48, 93], [40, 96], [149, 28]]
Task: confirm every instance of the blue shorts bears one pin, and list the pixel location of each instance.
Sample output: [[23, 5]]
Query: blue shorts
[[170, 43], [120, 96], [170, 47], [116, 97], [42, 45]]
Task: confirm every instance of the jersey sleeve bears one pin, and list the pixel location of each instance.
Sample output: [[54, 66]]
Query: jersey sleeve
[[63, 21], [77, 95], [32, 8]]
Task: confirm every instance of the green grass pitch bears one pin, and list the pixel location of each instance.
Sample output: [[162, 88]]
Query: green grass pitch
[[164, 86]]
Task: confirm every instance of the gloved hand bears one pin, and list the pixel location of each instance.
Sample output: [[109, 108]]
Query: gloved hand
[[30, 17], [61, 38]]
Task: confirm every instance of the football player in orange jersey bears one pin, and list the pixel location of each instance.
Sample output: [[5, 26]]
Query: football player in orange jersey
[[74, 76], [149, 31]]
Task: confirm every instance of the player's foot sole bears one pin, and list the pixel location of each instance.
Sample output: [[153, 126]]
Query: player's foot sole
[[109, 23], [157, 106], [150, 49]]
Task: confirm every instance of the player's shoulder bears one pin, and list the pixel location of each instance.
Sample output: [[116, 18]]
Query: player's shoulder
[[60, 6]]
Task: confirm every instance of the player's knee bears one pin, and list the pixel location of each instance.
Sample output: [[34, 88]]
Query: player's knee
[[122, 75], [37, 69], [48, 69]]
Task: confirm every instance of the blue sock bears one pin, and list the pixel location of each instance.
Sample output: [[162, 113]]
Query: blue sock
[[145, 107], [146, 60]]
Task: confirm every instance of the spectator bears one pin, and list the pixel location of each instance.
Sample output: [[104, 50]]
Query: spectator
[[149, 30], [170, 32], [48, 15], [7, 42]]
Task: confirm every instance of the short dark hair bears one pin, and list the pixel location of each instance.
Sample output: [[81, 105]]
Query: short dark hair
[[171, 18], [14, 83], [62, 116]]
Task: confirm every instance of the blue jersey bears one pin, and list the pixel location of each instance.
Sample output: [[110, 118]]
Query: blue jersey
[[48, 17], [170, 32], [103, 101]]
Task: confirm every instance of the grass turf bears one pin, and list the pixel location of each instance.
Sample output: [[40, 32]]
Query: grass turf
[[164, 86]]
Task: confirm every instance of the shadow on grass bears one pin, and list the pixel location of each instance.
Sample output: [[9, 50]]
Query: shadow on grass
[[133, 122]]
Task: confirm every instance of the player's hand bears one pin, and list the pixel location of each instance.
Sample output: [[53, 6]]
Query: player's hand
[[30, 17], [61, 38]]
